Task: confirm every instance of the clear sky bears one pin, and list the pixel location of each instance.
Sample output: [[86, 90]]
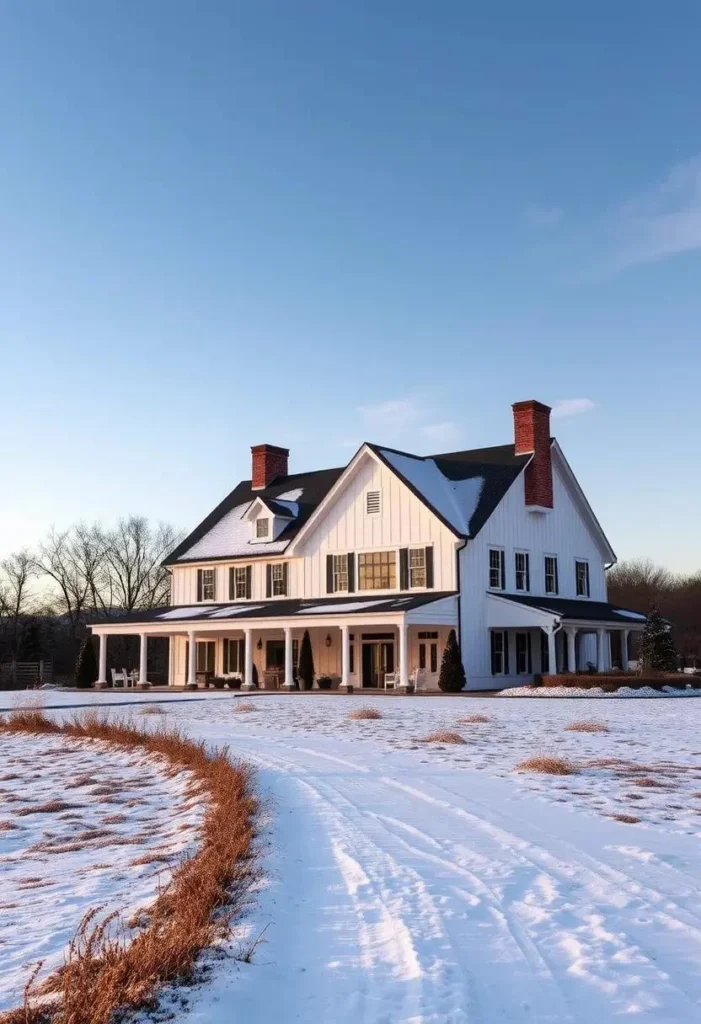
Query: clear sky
[[316, 223]]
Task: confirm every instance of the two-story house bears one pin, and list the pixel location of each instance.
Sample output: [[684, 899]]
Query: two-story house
[[381, 558]]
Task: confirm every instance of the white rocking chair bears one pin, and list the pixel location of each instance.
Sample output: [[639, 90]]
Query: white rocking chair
[[391, 680], [418, 679]]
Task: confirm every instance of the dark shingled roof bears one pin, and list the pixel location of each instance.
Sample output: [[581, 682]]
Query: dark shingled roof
[[229, 613], [578, 609]]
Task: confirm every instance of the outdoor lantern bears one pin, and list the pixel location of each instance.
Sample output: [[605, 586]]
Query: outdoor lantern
[[259, 645], [328, 639]]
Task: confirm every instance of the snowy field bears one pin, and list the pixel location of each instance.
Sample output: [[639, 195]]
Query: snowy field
[[428, 882], [82, 824]]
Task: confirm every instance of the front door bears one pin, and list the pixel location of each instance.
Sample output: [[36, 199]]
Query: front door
[[378, 658]]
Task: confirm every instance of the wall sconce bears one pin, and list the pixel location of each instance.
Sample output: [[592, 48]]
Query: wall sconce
[[328, 640], [259, 645]]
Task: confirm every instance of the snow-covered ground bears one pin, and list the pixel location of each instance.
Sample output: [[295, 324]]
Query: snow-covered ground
[[82, 824], [419, 882]]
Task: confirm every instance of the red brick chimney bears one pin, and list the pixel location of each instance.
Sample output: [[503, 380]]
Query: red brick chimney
[[267, 462], [532, 434]]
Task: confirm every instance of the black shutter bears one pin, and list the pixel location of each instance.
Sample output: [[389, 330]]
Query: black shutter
[[268, 581], [503, 570], [351, 571], [285, 567], [249, 570], [429, 567], [493, 651], [506, 652], [404, 568], [232, 585], [329, 574], [530, 653], [199, 584]]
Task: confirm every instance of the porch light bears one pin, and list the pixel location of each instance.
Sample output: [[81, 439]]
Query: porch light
[[259, 645], [328, 640]]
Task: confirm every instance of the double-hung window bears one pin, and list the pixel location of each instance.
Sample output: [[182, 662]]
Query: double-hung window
[[206, 585], [340, 573], [262, 527], [581, 572], [497, 575], [417, 567], [377, 570], [500, 652], [233, 656], [278, 578], [240, 577], [551, 581], [523, 653], [523, 571]]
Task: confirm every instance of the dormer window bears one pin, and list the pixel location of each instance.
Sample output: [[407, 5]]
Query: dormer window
[[262, 528]]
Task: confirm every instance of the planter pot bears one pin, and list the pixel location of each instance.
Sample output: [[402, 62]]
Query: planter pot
[[192, 686], [324, 683], [234, 684], [144, 686]]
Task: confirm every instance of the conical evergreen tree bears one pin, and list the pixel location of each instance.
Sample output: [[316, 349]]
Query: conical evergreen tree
[[452, 674], [657, 650], [30, 648], [86, 666], [305, 663]]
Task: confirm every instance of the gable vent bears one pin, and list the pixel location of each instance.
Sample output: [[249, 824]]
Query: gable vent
[[373, 504]]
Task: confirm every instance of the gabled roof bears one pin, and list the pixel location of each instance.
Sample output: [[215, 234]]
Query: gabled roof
[[461, 488], [225, 534]]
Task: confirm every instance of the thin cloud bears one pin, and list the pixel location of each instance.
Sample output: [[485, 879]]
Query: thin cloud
[[543, 216], [661, 222], [410, 421], [566, 407]]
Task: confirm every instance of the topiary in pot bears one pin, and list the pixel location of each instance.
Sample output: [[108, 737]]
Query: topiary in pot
[[305, 663], [324, 682]]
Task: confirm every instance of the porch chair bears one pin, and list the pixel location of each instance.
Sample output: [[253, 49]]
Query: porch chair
[[391, 680], [131, 678], [118, 678], [418, 679]]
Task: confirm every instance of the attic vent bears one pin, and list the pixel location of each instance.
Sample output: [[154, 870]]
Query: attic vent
[[372, 503]]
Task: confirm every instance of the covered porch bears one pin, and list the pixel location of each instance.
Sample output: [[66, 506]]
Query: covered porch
[[559, 635], [366, 643]]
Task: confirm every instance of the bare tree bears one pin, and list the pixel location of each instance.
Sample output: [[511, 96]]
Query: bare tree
[[74, 561], [638, 583], [16, 572], [134, 553]]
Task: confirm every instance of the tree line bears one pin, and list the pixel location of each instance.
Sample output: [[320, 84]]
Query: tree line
[[641, 585], [85, 572]]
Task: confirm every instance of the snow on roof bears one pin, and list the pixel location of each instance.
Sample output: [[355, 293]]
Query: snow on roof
[[628, 615], [455, 500], [182, 613], [231, 536], [229, 611], [349, 606]]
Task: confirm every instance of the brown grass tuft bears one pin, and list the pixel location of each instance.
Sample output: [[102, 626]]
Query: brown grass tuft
[[587, 726], [50, 807], [108, 971], [443, 736], [475, 719], [627, 819], [548, 765], [365, 714], [243, 706], [152, 709]]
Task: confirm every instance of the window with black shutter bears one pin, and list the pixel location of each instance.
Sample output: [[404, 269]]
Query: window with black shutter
[[497, 575], [329, 574], [429, 568], [351, 572], [206, 585], [268, 581], [403, 568], [500, 652]]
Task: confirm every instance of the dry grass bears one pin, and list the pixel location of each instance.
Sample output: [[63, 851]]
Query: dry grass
[[244, 706], [108, 970], [548, 765], [627, 819], [475, 719], [443, 736], [587, 726], [152, 709], [365, 714], [50, 807]]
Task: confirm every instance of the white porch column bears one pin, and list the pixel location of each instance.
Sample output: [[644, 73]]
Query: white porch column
[[102, 665], [403, 655], [192, 659], [571, 649], [143, 651], [552, 653], [247, 660], [600, 648], [345, 657], [289, 683], [624, 650]]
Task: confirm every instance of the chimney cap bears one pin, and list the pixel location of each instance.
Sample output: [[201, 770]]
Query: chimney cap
[[272, 448], [531, 403]]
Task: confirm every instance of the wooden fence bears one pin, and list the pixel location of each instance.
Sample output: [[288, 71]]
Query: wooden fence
[[23, 675]]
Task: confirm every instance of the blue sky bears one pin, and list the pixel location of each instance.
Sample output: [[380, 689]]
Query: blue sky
[[315, 223]]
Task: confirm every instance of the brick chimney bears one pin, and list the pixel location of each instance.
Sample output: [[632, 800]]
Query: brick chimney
[[532, 434], [267, 462]]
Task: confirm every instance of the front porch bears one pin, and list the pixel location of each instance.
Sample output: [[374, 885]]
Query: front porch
[[354, 644]]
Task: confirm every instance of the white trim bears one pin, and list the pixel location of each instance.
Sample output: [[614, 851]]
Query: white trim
[[580, 498]]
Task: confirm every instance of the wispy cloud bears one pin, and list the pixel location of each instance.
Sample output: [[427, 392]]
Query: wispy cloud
[[543, 216], [565, 407], [662, 221], [410, 420]]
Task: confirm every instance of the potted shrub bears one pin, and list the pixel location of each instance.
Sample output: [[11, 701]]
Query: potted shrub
[[324, 682], [233, 682], [218, 682]]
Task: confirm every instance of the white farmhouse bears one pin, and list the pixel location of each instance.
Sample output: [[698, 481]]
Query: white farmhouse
[[380, 559]]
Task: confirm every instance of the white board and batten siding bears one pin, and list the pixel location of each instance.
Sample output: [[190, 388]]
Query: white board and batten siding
[[564, 531], [403, 521]]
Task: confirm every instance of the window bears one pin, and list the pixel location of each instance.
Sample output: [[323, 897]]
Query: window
[[204, 655], [279, 581], [417, 567], [523, 653], [500, 652], [551, 582], [233, 656], [432, 657], [240, 582], [206, 585], [340, 572], [581, 572], [373, 504], [497, 579], [377, 570], [262, 527], [523, 571]]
